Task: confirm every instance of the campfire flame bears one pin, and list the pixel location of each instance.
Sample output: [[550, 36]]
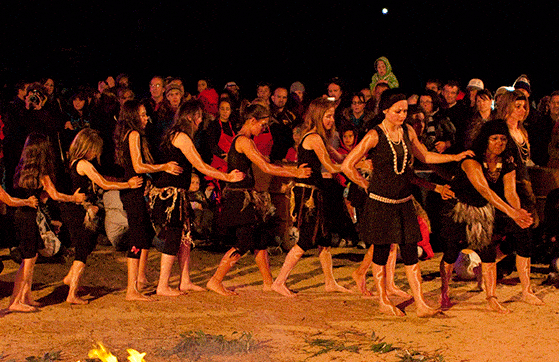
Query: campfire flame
[[105, 356], [102, 353], [135, 356]]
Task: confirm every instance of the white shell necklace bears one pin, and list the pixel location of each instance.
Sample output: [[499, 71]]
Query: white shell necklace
[[391, 144]]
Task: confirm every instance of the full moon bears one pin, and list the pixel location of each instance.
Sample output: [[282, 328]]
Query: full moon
[[384, 11]]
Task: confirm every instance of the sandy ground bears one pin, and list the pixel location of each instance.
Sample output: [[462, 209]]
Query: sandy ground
[[284, 327]]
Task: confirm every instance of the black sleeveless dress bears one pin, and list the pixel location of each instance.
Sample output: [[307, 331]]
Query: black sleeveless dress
[[73, 215], [169, 208], [140, 231], [243, 209], [235, 212], [383, 222], [307, 205], [25, 220]]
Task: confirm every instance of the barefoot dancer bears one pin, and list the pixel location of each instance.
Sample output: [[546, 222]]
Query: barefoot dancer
[[168, 201], [243, 208], [86, 146], [514, 107], [389, 216], [133, 155], [482, 185], [307, 210], [33, 177], [359, 274]]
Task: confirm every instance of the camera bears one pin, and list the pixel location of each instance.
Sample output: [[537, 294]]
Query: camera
[[36, 97]]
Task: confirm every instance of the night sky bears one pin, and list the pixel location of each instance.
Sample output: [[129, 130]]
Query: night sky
[[75, 44]]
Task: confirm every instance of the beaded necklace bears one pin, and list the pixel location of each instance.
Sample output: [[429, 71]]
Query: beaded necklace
[[391, 144]]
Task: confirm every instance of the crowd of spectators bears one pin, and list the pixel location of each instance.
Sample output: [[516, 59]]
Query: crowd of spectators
[[446, 116]]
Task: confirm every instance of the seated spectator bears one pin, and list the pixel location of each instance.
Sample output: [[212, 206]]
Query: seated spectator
[[203, 215], [356, 116], [291, 155]]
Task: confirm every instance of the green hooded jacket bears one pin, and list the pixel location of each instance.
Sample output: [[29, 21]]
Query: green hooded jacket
[[389, 77]]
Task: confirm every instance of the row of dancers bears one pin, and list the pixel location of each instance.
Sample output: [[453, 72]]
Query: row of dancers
[[387, 219]]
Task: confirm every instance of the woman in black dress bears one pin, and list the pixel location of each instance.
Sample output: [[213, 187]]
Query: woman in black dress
[[389, 216], [244, 209], [33, 177], [132, 153], [81, 219], [307, 207], [170, 209], [483, 184]]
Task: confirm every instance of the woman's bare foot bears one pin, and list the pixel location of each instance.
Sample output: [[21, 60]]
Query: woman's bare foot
[[397, 292], [137, 296], [168, 292], [67, 279], [445, 302], [32, 302], [142, 284], [283, 290], [391, 309], [185, 287], [21, 308], [335, 287], [361, 282], [531, 298], [494, 305], [426, 312], [218, 287], [76, 300]]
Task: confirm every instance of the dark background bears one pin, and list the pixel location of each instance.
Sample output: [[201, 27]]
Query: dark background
[[281, 43]]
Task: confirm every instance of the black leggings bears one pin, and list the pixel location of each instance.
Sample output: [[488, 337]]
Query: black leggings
[[83, 239], [408, 252], [140, 230]]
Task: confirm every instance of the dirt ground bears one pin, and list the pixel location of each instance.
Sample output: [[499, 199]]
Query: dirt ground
[[284, 328]]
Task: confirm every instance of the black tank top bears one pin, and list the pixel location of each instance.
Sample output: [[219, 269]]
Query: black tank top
[[129, 171], [181, 181], [81, 182], [239, 161], [311, 159]]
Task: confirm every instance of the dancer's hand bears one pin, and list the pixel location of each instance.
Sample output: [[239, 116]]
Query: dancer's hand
[[32, 202], [445, 191], [135, 182], [522, 218], [235, 176], [173, 168], [78, 196], [303, 171], [463, 155]]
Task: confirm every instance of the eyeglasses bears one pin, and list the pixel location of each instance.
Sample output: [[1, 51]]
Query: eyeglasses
[[155, 85]]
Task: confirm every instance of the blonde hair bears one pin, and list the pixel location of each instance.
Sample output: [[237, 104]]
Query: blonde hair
[[314, 116], [87, 142]]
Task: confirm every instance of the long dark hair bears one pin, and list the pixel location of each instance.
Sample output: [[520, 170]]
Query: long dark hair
[[182, 122], [128, 121], [37, 161]]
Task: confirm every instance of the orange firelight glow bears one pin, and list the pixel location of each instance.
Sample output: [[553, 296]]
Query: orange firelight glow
[[105, 356]]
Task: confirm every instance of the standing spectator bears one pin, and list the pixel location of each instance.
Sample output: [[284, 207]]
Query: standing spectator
[[282, 123], [439, 132], [553, 136]]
